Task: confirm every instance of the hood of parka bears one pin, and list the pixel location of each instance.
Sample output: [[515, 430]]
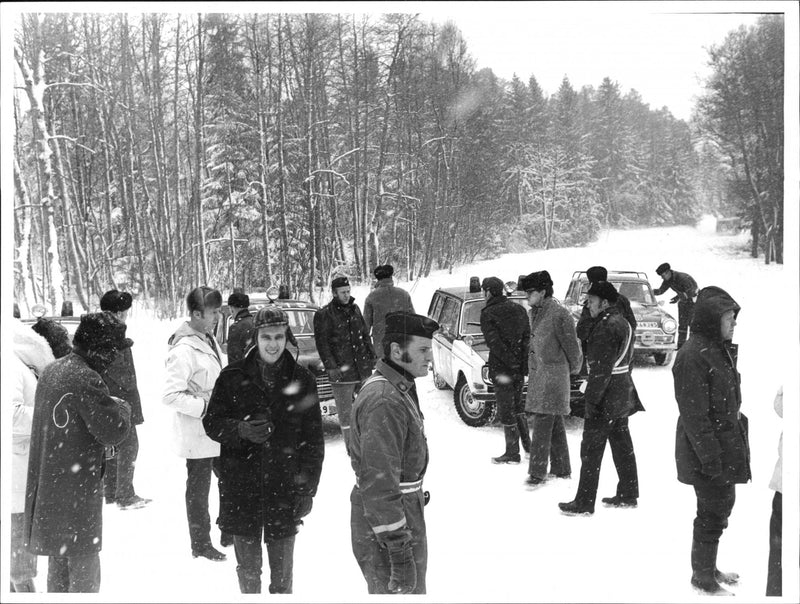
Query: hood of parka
[[712, 302]]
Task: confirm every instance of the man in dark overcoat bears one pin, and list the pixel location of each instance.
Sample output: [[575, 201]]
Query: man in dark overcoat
[[240, 333], [345, 348], [685, 288], [75, 421], [120, 377], [711, 444], [385, 297], [265, 414], [389, 454], [505, 326], [610, 398]]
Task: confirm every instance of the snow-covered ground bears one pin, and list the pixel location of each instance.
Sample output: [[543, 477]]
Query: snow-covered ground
[[489, 538]]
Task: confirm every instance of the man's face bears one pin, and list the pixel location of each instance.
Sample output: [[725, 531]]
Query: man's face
[[271, 342], [415, 358], [596, 305], [342, 294], [206, 319], [535, 297], [122, 315], [727, 325], [666, 275]]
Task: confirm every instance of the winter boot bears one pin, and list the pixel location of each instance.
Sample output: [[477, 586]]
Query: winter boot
[[727, 578], [524, 432], [25, 586], [704, 562], [511, 455], [249, 582]]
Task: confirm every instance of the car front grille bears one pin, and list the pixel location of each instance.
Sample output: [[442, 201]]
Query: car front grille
[[654, 338], [324, 390]]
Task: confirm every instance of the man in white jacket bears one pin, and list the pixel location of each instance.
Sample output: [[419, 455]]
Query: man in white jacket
[[193, 364]]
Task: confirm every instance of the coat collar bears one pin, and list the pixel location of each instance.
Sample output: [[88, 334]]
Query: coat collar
[[495, 300], [386, 282], [395, 378]]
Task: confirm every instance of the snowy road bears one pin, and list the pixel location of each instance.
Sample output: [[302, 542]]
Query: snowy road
[[491, 539]]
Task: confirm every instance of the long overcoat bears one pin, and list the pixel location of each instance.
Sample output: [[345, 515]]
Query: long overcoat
[[707, 389], [386, 297], [505, 326], [259, 484], [343, 340], [120, 377], [555, 352], [240, 335], [73, 420]]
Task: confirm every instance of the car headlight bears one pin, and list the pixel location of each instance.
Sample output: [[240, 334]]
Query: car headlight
[[485, 375], [669, 325]]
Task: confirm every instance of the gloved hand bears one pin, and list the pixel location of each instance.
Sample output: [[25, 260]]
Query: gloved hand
[[335, 374], [674, 299], [302, 506], [255, 430], [403, 577], [712, 468]]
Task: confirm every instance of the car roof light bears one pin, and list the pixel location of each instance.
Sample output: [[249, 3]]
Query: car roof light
[[38, 310], [283, 292]]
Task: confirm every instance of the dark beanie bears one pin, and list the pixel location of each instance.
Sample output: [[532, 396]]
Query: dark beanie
[[55, 334], [239, 300], [384, 271], [662, 268], [101, 330], [116, 301], [605, 290], [493, 285], [340, 282], [596, 273]]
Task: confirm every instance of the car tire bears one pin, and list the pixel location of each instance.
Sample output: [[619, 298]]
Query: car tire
[[663, 358], [438, 380], [472, 412]]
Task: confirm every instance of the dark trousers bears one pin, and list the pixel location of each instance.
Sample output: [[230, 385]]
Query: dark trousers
[[249, 562], [593, 444], [714, 506], [509, 398], [198, 485], [548, 441], [73, 574], [685, 311], [118, 478], [774, 569]]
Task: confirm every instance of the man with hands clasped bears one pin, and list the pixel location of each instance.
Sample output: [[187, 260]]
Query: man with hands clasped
[[265, 414]]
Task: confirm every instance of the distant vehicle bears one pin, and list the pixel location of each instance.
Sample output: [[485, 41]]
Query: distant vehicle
[[69, 322], [460, 352], [655, 328], [301, 321]]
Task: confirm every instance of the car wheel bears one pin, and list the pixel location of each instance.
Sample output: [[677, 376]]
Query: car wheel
[[662, 358], [438, 380], [473, 412]]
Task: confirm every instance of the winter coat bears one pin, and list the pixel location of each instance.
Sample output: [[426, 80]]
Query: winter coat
[[382, 300], [555, 352], [610, 393], [74, 419], [711, 427], [586, 322], [682, 284], [120, 377], [389, 454], [240, 335], [31, 355], [192, 368], [259, 484], [507, 331], [776, 484], [343, 340]]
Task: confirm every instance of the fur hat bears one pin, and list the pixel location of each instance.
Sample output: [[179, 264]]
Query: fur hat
[[402, 322], [384, 271], [271, 315], [493, 285], [55, 334], [662, 268], [538, 280], [101, 330], [239, 300], [604, 290], [116, 301], [596, 273], [340, 281]]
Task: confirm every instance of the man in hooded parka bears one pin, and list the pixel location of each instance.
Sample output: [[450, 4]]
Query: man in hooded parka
[[711, 446]]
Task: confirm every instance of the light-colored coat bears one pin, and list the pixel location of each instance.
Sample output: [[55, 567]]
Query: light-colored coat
[[192, 368], [32, 354], [555, 352], [776, 484]]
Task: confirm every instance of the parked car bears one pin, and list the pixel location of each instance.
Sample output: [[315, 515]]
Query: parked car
[[70, 322], [460, 353], [301, 321], [655, 328]]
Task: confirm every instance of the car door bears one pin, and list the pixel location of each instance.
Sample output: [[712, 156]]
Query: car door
[[446, 336]]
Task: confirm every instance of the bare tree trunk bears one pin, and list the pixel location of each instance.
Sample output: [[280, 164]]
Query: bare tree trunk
[[198, 150], [24, 217]]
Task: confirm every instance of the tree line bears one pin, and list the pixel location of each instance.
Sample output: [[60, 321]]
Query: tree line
[[154, 152]]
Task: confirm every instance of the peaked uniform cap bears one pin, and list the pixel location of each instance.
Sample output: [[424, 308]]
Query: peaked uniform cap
[[340, 282], [410, 324], [662, 268]]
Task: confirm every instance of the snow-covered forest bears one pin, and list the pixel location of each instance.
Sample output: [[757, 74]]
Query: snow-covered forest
[[156, 151]]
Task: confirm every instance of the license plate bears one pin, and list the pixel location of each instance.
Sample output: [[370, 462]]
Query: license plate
[[328, 409]]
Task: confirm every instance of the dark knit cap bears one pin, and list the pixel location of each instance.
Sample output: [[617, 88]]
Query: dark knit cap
[[239, 300], [116, 301], [493, 285], [55, 334], [596, 273], [604, 290], [101, 330], [537, 280], [384, 271], [662, 268], [340, 281], [410, 324]]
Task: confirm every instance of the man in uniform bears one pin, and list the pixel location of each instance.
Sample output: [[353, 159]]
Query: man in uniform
[[507, 331], [389, 454], [685, 288], [241, 332], [610, 398]]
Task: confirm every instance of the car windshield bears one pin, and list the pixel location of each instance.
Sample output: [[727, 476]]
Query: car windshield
[[637, 292], [471, 317], [301, 321]]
